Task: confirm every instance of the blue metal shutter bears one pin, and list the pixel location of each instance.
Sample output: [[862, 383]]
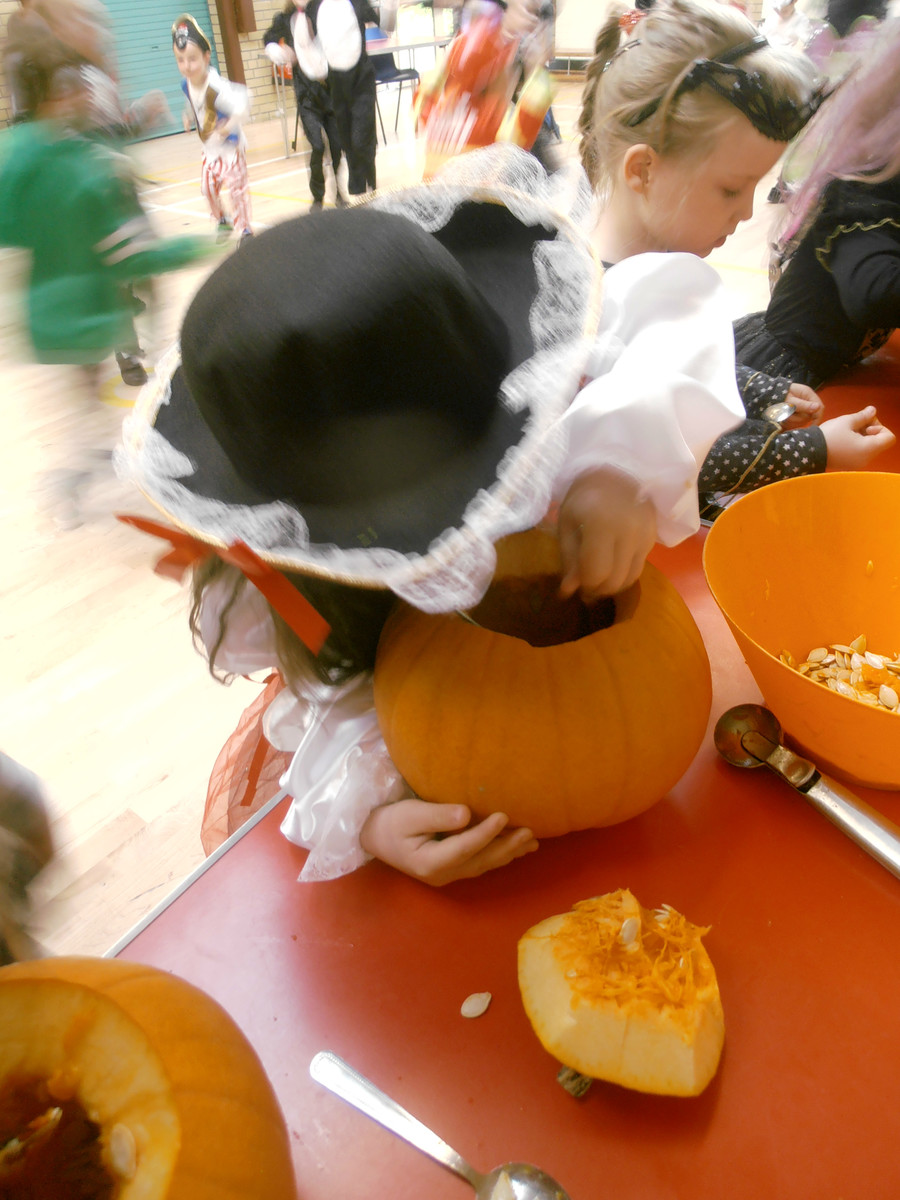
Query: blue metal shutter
[[142, 50]]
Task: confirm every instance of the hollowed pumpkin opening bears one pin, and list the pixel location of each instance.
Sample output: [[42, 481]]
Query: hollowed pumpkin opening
[[532, 610]]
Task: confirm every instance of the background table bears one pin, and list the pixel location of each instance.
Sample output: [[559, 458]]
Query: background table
[[375, 966], [390, 45]]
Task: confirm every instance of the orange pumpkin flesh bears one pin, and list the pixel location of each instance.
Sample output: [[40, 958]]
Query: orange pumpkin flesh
[[540, 708], [619, 993], [167, 1099]]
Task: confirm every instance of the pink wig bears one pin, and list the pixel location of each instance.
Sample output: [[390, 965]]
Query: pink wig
[[857, 130]]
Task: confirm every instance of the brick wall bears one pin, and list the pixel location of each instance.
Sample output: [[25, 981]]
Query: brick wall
[[6, 7], [257, 68]]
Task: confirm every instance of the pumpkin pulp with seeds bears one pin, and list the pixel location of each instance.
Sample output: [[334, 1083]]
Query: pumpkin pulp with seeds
[[49, 1146], [620, 993]]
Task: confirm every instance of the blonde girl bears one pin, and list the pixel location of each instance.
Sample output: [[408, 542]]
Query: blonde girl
[[680, 120], [685, 110]]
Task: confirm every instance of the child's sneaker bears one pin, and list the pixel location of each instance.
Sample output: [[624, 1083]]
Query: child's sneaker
[[224, 230], [131, 369]]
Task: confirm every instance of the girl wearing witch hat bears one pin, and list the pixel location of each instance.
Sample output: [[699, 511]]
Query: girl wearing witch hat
[[364, 404]]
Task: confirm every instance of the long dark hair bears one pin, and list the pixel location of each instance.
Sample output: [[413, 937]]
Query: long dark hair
[[356, 616]]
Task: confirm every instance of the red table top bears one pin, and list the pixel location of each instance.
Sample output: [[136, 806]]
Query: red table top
[[375, 966]]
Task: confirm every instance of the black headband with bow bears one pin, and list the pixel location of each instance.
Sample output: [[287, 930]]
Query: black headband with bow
[[780, 119]]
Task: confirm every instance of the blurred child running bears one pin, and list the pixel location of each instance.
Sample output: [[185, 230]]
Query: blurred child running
[[84, 27], [216, 108], [71, 202]]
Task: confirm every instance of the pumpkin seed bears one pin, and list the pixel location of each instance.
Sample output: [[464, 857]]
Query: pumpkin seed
[[476, 1004], [122, 1149], [629, 931]]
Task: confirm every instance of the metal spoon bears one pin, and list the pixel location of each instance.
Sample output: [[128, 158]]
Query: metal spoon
[[749, 735], [522, 1182]]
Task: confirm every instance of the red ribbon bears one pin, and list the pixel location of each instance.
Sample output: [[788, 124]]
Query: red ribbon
[[310, 627]]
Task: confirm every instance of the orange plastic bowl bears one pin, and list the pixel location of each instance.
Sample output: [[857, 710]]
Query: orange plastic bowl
[[804, 563]]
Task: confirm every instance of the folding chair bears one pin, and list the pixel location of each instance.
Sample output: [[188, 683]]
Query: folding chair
[[387, 71]]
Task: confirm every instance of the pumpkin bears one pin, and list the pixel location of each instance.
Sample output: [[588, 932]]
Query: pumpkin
[[561, 715], [122, 1082], [619, 993]]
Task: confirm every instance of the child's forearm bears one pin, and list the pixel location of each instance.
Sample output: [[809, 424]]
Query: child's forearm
[[756, 453], [758, 390]]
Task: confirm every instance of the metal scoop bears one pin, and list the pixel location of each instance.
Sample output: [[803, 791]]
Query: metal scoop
[[749, 735], [512, 1181]]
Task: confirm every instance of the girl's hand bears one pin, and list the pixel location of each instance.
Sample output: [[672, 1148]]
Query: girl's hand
[[808, 405], [605, 533], [853, 441], [403, 835]]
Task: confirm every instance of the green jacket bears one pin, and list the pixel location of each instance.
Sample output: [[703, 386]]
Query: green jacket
[[71, 201]]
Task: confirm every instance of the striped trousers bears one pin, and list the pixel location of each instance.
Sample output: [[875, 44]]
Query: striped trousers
[[231, 173]]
